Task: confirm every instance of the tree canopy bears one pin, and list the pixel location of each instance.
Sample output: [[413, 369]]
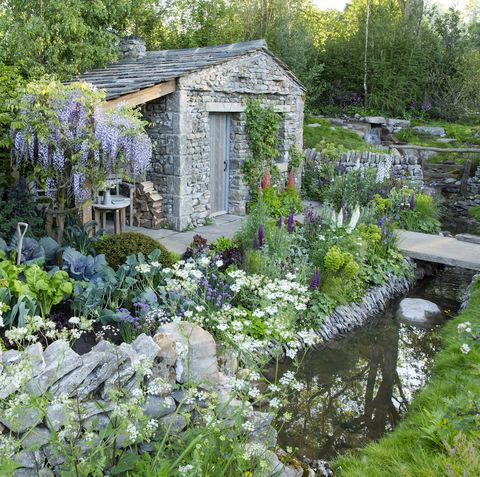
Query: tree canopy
[[403, 58]]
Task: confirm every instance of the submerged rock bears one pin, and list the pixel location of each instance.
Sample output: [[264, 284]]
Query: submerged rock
[[419, 312]]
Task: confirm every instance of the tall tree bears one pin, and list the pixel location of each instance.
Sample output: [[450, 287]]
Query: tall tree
[[49, 36]]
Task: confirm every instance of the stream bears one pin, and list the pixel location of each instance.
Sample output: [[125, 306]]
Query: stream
[[358, 388]]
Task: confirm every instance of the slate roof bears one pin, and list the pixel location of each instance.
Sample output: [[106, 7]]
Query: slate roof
[[131, 75]]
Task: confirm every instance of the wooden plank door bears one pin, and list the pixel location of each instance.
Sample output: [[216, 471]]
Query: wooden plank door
[[219, 162]]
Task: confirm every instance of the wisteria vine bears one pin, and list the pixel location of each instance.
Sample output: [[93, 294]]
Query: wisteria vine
[[74, 142]]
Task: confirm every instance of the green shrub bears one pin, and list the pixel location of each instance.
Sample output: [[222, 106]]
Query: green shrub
[[17, 205], [281, 202], [474, 212], [118, 247]]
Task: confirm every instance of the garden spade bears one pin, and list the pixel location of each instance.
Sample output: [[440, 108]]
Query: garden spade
[[22, 228]]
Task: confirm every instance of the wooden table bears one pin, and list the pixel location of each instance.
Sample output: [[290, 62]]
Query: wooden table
[[118, 206]]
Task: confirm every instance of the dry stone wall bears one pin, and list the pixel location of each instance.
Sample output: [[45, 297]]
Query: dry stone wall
[[178, 354], [401, 166]]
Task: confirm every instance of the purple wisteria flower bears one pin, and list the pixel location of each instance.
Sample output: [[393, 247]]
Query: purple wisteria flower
[[315, 281], [79, 143]]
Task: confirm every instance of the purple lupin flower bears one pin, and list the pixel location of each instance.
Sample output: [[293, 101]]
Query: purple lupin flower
[[412, 201], [425, 104], [290, 222], [280, 222], [261, 237], [315, 281]]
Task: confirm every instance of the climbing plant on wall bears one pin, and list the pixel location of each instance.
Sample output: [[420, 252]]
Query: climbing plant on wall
[[262, 128], [69, 143]]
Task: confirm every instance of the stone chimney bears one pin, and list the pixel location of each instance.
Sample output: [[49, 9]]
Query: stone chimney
[[132, 48]]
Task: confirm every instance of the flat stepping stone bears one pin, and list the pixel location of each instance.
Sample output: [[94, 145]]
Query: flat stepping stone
[[438, 249]]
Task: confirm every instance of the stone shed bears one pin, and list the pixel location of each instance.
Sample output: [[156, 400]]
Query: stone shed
[[194, 101]]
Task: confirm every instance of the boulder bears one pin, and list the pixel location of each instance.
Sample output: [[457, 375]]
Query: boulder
[[174, 422], [196, 349], [375, 120], [114, 359], [164, 365], [146, 347], [398, 123], [419, 312], [429, 130]]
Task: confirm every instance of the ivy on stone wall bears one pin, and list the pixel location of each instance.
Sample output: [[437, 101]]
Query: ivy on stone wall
[[262, 128]]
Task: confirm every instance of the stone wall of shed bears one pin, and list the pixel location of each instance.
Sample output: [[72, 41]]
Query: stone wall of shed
[[163, 116], [254, 76], [179, 127]]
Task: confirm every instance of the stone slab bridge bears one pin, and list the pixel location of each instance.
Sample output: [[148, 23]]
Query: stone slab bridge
[[438, 249]]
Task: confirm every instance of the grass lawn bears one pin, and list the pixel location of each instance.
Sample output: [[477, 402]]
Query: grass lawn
[[329, 134], [440, 436], [465, 135]]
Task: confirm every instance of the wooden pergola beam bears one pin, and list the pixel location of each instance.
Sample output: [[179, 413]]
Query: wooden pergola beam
[[144, 95]]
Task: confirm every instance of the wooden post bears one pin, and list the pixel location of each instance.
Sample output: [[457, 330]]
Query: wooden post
[[86, 209]]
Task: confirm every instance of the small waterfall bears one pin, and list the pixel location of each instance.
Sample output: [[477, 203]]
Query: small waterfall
[[373, 136]]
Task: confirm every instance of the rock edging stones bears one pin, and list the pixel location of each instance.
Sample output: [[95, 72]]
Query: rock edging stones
[[179, 353], [344, 319], [347, 318]]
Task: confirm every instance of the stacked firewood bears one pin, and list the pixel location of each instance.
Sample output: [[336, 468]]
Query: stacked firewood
[[147, 206]]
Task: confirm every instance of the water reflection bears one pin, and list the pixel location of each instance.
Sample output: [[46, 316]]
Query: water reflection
[[358, 389], [355, 392]]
